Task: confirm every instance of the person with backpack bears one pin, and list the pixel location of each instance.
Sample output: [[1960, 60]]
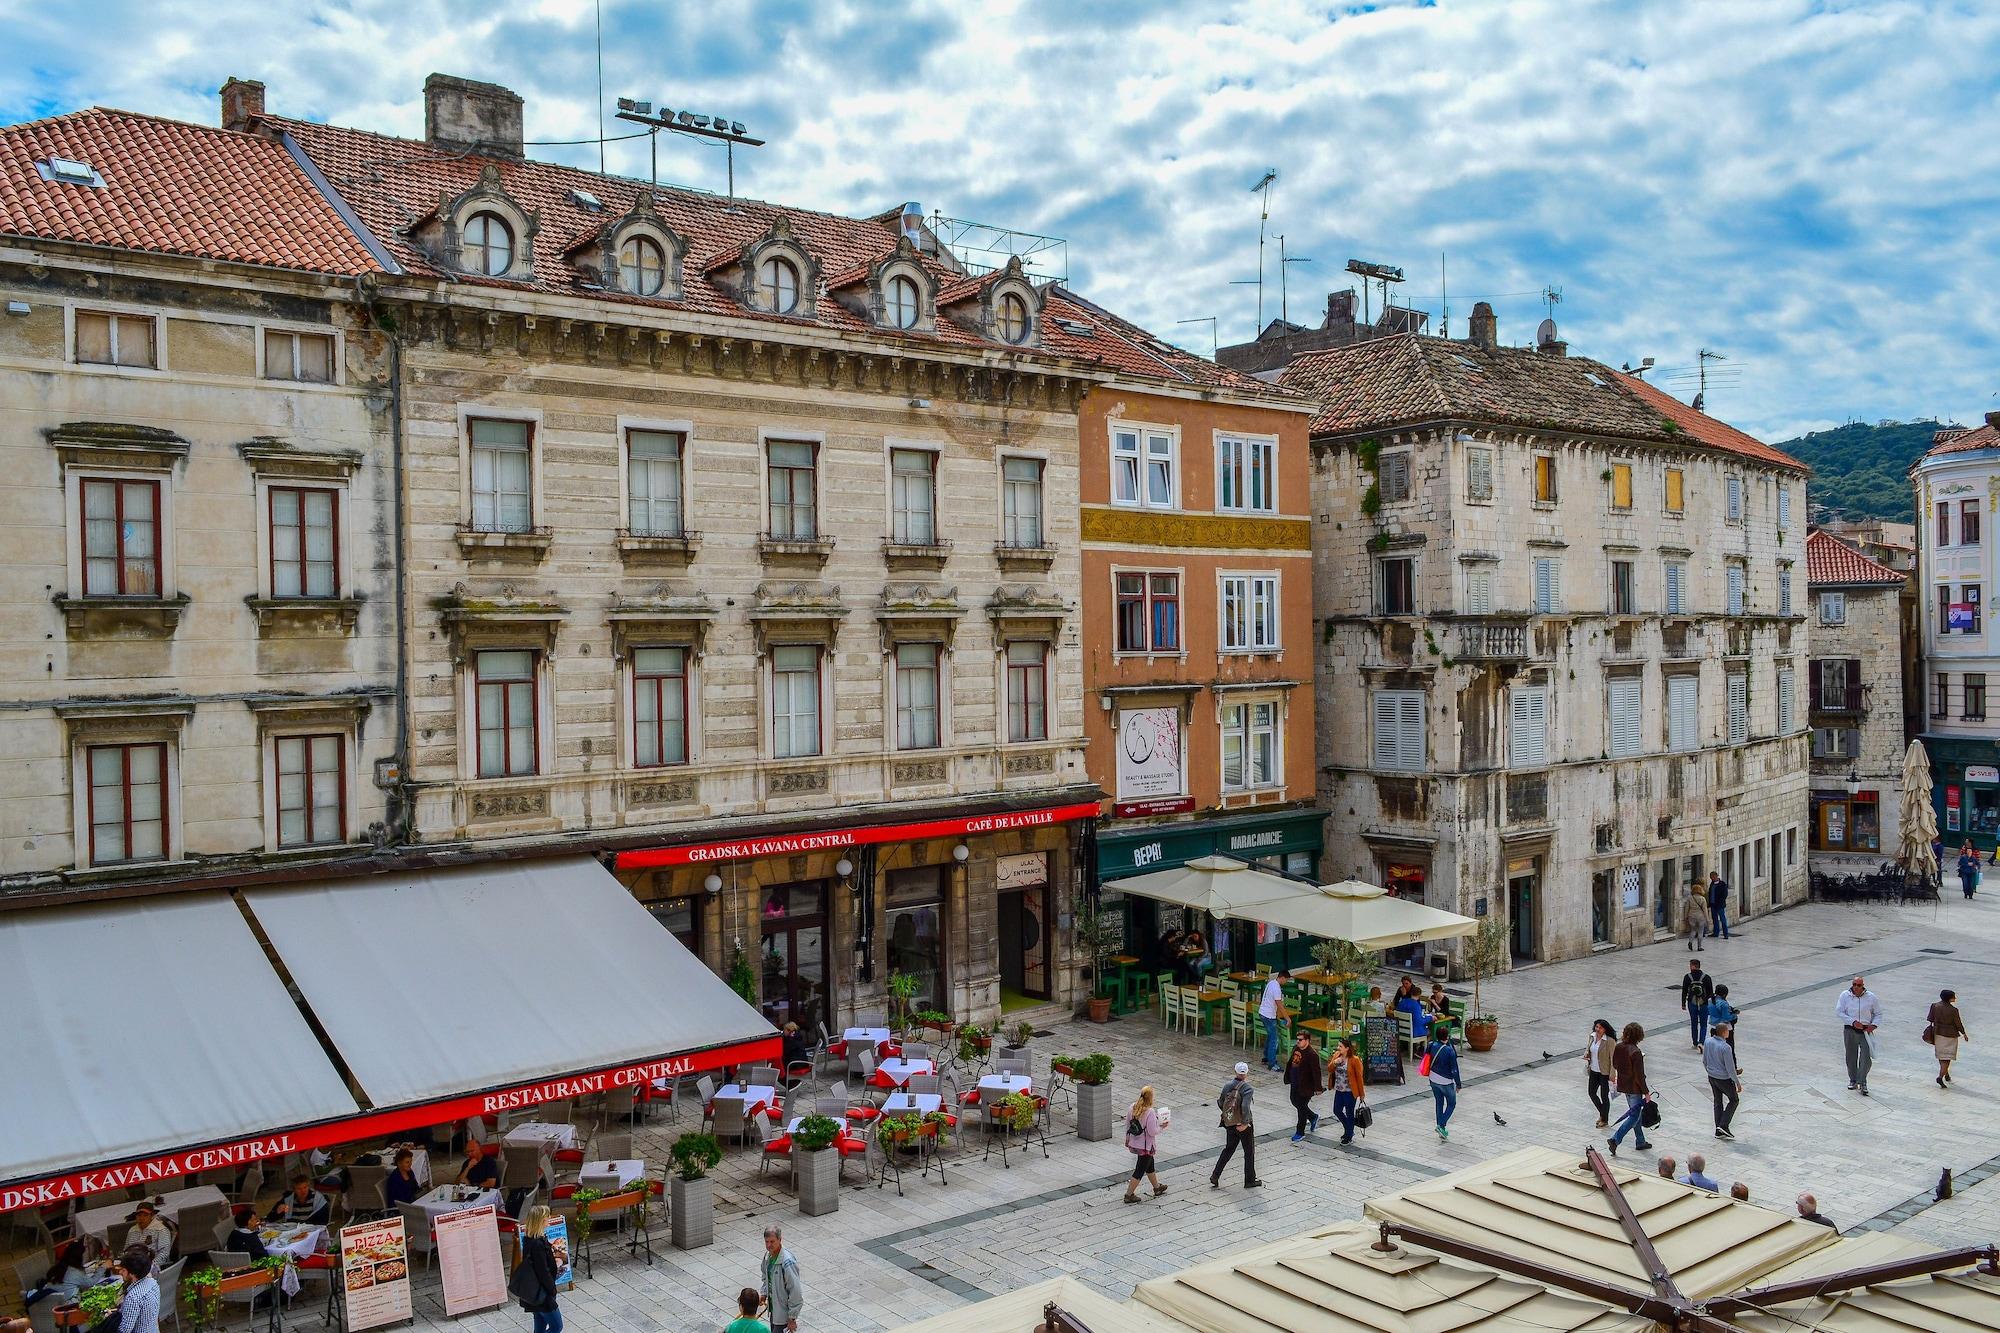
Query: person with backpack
[[536, 1291], [1238, 1131], [1302, 1073], [1440, 1067], [1142, 1140], [1697, 989]]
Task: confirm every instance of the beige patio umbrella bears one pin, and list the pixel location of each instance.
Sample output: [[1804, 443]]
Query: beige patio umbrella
[[1218, 885], [1919, 818], [1367, 915]]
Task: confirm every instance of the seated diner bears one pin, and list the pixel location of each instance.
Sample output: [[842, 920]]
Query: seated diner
[[401, 1186], [303, 1204]]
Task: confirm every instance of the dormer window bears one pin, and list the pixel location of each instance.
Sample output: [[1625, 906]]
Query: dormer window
[[778, 285], [489, 245], [1011, 318], [642, 266], [902, 303]]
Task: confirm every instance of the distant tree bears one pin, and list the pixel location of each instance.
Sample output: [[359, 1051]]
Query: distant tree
[[1861, 470]]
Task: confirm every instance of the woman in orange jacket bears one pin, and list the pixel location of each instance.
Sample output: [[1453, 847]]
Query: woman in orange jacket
[[1343, 1075]]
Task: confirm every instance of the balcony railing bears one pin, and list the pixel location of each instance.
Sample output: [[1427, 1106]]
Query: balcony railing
[[1493, 639]]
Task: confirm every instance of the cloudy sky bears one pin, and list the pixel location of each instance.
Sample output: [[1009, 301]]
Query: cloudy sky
[[1810, 189]]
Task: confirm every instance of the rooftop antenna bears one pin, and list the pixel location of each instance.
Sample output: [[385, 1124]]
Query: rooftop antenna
[[1263, 187], [1702, 358], [1284, 305], [1444, 329], [1551, 298], [1370, 272], [730, 132], [1210, 321], [599, 6]]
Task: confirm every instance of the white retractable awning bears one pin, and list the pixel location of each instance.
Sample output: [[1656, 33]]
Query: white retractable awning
[[140, 1026], [444, 982]]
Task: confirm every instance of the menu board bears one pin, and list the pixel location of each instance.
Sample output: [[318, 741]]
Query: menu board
[[375, 1274], [557, 1236], [1383, 1062], [468, 1255]]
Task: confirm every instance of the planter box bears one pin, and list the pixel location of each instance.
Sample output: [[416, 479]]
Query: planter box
[[1093, 1111], [819, 1181], [693, 1208]]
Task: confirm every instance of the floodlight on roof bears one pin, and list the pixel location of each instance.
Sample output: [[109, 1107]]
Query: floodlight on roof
[[736, 127], [700, 122]]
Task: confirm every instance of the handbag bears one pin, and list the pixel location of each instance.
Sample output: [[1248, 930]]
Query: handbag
[[1363, 1116], [1930, 1034], [1424, 1066], [1649, 1117], [525, 1286]]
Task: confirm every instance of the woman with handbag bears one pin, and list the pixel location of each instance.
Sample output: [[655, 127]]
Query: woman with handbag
[[1597, 1069], [1142, 1140], [1440, 1067], [534, 1282], [1628, 1073], [1944, 1029], [1343, 1075], [1302, 1075]]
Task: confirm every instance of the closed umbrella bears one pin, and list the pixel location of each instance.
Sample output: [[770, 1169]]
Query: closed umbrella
[[1919, 818]]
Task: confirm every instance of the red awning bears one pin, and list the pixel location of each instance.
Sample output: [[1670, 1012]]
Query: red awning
[[743, 849]]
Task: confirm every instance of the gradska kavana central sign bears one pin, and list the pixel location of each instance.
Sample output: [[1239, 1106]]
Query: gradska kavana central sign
[[743, 849]]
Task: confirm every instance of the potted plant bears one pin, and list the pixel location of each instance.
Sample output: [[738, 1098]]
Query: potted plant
[[973, 1041], [693, 1201], [201, 1296], [903, 988], [1097, 932], [1487, 953], [901, 1130], [1023, 1033], [934, 1020], [940, 1124], [818, 1163], [1093, 1095], [1018, 1111]]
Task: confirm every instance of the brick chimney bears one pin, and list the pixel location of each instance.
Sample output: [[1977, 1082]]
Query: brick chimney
[[464, 113], [1993, 420], [1484, 330], [242, 100], [1340, 309]]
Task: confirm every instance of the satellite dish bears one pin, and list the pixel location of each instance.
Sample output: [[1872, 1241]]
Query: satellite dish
[[1545, 333]]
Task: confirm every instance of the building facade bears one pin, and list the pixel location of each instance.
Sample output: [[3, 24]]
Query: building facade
[[1957, 489], [1568, 681], [1855, 705]]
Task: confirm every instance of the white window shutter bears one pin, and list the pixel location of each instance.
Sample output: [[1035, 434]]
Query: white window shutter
[[1387, 718], [1479, 474], [1412, 730], [1785, 704], [1735, 499], [1739, 708], [1479, 592], [1625, 717], [1736, 590], [1683, 715], [1528, 726], [1676, 574], [1784, 509]]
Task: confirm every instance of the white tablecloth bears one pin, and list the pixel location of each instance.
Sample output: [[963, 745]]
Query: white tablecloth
[[625, 1168], [875, 1036], [444, 1199], [298, 1242], [900, 1071], [541, 1136], [96, 1222], [752, 1097], [1007, 1082], [923, 1103]]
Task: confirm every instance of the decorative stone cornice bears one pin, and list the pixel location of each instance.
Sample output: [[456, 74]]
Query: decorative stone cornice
[[116, 444], [269, 456]]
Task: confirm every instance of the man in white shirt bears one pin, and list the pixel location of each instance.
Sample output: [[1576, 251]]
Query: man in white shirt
[[1268, 1009], [1860, 1013], [149, 1231]]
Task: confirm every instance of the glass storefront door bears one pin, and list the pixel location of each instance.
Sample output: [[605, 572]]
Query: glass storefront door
[[794, 963], [915, 933]]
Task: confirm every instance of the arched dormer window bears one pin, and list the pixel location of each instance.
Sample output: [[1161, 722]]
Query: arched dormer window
[[642, 266], [902, 302], [1010, 318], [483, 231], [488, 245], [896, 292], [637, 253], [777, 275], [778, 285], [1013, 308]]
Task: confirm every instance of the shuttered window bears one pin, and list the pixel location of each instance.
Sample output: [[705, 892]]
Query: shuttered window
[[1676, 493], [1548, 586], [1784, 590], [1683, 713], [1625, 695], [1399, 729], [1478, 592], [1621, 485], [1528, 726], [1677, 571], [1393, 476], [1735, 500], [1786, 715], [1739, 708], [1784, 509], [1736, 590], [1479, 474]]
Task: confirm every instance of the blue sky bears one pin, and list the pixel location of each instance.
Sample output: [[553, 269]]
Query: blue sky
[[1812, 189]]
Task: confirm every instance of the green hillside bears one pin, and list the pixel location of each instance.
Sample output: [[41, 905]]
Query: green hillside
[[1860, 470]]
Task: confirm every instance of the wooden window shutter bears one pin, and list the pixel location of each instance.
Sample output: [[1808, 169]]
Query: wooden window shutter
[[1853, 685]]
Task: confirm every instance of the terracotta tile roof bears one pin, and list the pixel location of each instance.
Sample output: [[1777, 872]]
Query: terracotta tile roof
[[172, 188], [1410, 379], [1958, 440], [1830, 560], [1123, 346]]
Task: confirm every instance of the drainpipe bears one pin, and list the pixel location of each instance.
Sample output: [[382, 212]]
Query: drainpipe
[[396, 831]]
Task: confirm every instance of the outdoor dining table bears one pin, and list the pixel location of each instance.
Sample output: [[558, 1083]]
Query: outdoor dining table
[[296, 1241], [753, 1096], [904, 1103], [97, 1222], [1211, 999], [899, 1071], [446, 1199], [542, 1136], [1124, 982], [876, 1037], [623, 1168], [1007, 1082]]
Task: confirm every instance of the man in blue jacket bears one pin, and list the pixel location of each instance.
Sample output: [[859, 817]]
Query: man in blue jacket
[[1718, 906]]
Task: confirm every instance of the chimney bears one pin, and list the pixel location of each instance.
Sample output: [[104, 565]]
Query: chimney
[[1340, 309], [242, 101], [1993, 420], [1484, 329], [464, 113]]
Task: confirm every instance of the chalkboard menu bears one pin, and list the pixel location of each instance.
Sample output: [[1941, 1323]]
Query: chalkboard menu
[[1383, 1062]]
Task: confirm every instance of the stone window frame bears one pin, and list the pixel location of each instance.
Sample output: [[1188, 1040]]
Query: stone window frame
[[636, 625], [902, 262], [148, 723], [538, 535], [940, 643], [96, 451], [339, 381], [1248, 694], [487, 195], [1042, 460], [468, 701], [780, 242], [891, 446], [71, 308], [1003, 646], [1011, 280], [682, 426], [276, 464], [281, 719], [606, 256]]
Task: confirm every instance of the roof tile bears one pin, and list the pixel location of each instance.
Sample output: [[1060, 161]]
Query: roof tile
[[1830, 560]]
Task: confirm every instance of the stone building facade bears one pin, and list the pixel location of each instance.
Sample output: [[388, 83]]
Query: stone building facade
[[1855, 705], [1563, 641]]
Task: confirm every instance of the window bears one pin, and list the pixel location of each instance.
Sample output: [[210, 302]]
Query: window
[[1528, 726], [1839, 687], [1392, 475], [1784, 509], [1676, 491], [305, 542], [1968, 523], [504, 697], [127, 803], [1397, 585], [1974, 709], [1545, 479], [642, 266], [912, 497], [1021, 502], [1249, 746], [1149, 613], [1836, 743], [916, 696], [1677, 572], [901, 303], [794, 701], [1249, 613], [1479, 592], [1399, 729], [659, 707], [312, 790], [1943, 512], [1944, 608], [794, 490], [1787, 703], [121, 537], [778, 285], [1739, 708], [116, 340], [1968, 596], [1548, 585], [1603, 891], [489, 245], [1625, 696], [1011, 318], [1784, 590], [1621, 485], [307, 357], [1940, 694], [1027, 691], [1247, 475], [653, 482], [1479, 474], [1735, 502], [1683, 713], [1622, 598], [501, 491], [1143, 468], [1833, 608], [1735, 576]]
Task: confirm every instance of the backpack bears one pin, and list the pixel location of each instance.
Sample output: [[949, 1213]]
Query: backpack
[[1231, 1103], [1134, 1127]]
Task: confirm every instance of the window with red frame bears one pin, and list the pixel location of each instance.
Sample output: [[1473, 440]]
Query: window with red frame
[[312, 790], [504, 697], [305, 542], [1149, 613], [1027, 691], [121, 537], [659, 706], [128, 803]]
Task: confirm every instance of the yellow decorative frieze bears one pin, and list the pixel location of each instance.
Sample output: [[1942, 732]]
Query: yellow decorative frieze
[[1130, 527]]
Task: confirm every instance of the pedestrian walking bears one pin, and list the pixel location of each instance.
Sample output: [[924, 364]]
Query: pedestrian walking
[[784, 1291], [1725, 1083], [1597, 1069], [1344, 1076], [1694, 915], [1628, 1074], [1944, 1029], [1441, 1068], [1302, 1075], [1697, 989], [1270, 1009], [1968, 870], [1142, 1140], [1718, 906], [1238, 1130], [1860, 1013], [536, 1291], [746, 1320], [1720, 1010]]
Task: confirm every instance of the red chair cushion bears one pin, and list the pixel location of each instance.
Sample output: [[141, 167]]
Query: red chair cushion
[[781, 1144], [837, 1049], [562, 1191], [569, 1156], [863, 1112]]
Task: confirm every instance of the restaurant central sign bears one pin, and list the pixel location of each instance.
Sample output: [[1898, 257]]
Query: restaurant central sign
[[744, 849]]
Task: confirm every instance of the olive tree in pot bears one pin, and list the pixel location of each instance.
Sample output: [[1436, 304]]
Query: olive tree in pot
[[1096, 933], [692, 1192], [1093, 1096], [818, 1163], [1486, 953]]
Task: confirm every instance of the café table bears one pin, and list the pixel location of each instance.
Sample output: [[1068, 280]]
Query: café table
[[1127, 998], [624, 1169], [754, 1096], [296, 1241], [97, 1222], [1209, 999], [447, 1199], [1007, 1082], [906, 1103], [899, 1071], [876, 1037], [542, 1136]]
